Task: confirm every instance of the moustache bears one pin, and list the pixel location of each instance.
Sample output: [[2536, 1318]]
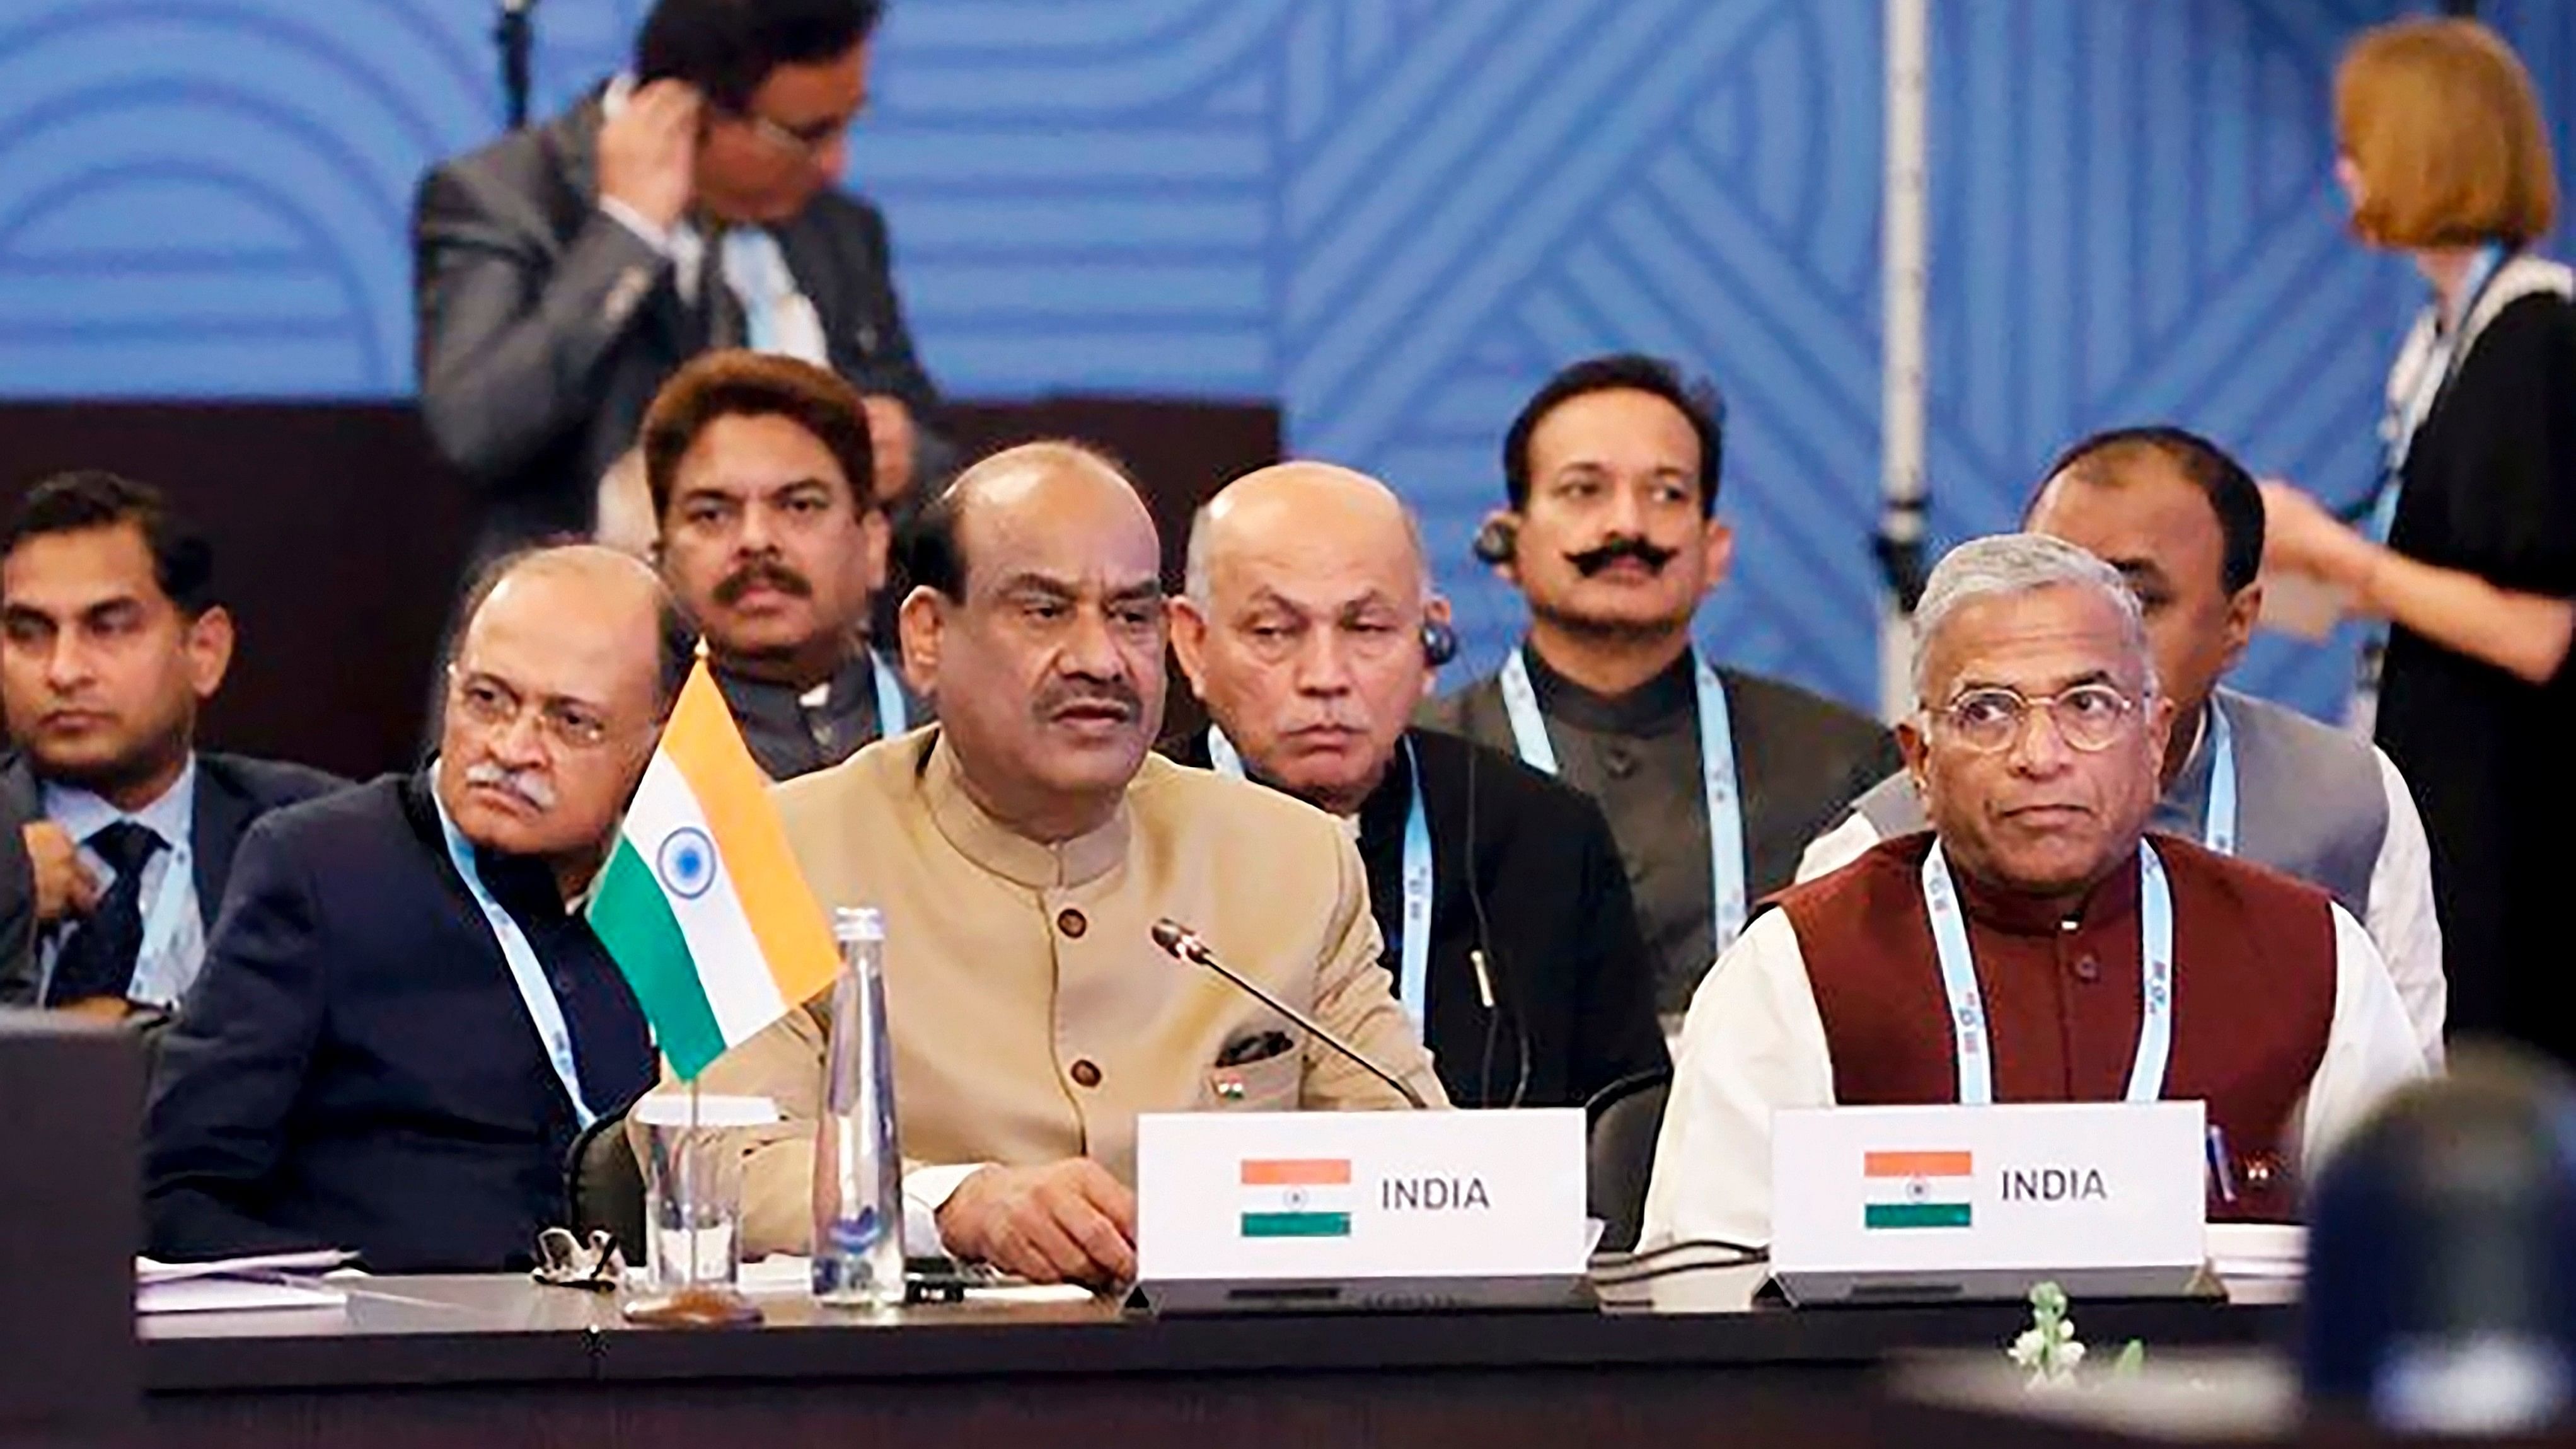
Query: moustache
[[528, 785], [763, 573], [1117, 694], [1653, 556]]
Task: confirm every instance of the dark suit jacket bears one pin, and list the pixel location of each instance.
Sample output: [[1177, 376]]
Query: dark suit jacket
[[355, 1068], [546, 326], [1526, 867], [232, 792]]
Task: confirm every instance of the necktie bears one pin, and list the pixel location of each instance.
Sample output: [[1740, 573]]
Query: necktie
[[721, 308], [98, 959]]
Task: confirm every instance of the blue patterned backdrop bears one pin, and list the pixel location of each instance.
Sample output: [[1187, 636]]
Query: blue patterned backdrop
[[1395, 216]]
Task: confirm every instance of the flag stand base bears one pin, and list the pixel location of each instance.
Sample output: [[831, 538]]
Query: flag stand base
[[702, 1306]]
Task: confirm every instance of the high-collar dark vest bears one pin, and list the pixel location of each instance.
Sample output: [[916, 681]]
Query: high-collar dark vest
[[2254, 994]]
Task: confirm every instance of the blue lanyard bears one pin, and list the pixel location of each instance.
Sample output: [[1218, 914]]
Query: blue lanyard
[[1969, 1038], [2218, 825], [539, 996], [1413, 947], [893, 717], [1726, 891]]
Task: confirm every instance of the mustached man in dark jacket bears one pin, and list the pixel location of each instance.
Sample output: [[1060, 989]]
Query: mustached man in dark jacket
[[404, 1018]]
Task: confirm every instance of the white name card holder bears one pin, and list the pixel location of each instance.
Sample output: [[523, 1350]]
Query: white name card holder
[[1919, 1204], [1305, 1212]]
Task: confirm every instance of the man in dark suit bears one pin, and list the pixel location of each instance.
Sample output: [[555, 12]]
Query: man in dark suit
[[1713, 779], [564, 271], [1310, 631], [404, 1019], [116, 834]]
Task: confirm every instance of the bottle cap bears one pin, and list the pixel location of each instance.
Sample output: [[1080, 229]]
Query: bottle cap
[[857, 923]]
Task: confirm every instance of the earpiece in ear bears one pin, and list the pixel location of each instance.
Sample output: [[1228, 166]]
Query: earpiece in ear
[[1497, 541], [1439, 642]]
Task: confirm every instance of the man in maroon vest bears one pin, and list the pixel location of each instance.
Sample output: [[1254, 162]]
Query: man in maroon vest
[[2036, 945]]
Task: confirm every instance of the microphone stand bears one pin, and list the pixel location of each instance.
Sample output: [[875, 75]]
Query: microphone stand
[[1183, 944], [515, 33]]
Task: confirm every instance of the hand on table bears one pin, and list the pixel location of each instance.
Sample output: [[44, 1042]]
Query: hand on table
[[1067, 1221]]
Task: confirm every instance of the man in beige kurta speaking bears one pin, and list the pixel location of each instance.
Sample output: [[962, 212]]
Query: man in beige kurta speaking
[[1022, 850]]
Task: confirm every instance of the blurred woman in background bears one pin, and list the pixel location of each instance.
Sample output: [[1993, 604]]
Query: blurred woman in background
[[2467, 550]]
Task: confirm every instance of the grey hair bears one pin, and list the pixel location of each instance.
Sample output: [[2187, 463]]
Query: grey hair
[[2019, 563], [1199, 587], [1195, 585]]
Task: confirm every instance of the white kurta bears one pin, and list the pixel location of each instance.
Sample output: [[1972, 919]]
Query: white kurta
[[1754, 1042]]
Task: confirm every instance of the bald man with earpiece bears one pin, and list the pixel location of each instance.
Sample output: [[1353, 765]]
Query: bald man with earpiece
[[1311, 632]]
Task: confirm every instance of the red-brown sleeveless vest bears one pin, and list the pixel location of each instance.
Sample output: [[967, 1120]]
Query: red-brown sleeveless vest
[[2254, 994]]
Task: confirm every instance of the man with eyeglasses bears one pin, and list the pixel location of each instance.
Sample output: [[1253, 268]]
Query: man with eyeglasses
[[2037, 944], [404, 1018], [2183, 523], [564, 272]]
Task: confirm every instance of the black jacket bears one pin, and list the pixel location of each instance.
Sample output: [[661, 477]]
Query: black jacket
[[355, 1068], [546, 326], [1526, 867], [2491, 490], [232, 792], [1800, 759]]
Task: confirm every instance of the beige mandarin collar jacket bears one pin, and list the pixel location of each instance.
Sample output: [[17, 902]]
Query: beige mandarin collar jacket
[[1031, 1014]]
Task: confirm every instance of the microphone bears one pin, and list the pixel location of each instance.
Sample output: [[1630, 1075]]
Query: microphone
[[1183, 944]]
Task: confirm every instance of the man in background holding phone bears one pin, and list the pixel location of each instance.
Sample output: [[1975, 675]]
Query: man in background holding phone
[[565, 271]]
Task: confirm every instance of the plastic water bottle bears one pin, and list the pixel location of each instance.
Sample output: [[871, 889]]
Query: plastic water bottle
[[858, 1168]]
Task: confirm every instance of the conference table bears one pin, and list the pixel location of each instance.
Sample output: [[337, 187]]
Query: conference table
[[501, 1360]]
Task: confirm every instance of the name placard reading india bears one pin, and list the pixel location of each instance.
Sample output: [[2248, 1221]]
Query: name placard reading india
[[2052, 1187], [1278, 1195]]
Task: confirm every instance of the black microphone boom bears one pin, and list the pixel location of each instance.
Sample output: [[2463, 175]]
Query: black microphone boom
[[1183, 944]]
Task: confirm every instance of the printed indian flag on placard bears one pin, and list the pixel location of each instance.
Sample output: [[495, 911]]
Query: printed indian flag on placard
[[1297, 1197], [1917, 1189], [701, 904]]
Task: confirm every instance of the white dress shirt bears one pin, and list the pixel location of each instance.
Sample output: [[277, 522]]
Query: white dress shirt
[[1754, 1043], [174, 930]]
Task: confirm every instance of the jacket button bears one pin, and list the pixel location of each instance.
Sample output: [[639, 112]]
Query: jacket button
[[2088, 969], [1070, 922], [1085, 1072]]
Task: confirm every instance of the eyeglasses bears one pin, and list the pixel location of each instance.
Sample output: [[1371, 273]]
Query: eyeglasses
[[2089, 717], [804, 141], [495, 706]]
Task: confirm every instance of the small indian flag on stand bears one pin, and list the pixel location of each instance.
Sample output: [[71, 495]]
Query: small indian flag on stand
[[1297, 1197], [1917, 1189], [701, 904]]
